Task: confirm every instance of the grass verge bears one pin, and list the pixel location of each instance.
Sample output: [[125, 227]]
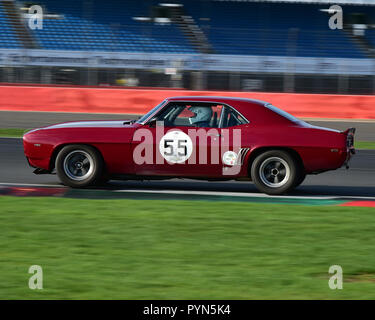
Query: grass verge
[[367, 145], [128, 249], [12, 133]]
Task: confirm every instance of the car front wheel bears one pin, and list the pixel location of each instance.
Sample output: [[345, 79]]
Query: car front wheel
[[79, 166], [275, 172]]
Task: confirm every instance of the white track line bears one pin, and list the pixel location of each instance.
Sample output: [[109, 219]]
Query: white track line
[[200, 193], [30, 185], [239, 194]]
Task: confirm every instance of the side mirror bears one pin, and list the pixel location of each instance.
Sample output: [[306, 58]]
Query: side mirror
[[152, 123]]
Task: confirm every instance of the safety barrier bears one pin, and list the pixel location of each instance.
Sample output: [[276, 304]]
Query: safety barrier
[[139, 101]]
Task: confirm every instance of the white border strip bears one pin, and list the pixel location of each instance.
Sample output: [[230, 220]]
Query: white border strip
[[5, 184], [199, 193], [238, 194]]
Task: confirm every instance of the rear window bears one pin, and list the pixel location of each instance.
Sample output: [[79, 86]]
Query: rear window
[[283, 113]]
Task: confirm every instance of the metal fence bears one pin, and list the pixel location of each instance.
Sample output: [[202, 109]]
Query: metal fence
[[194, 80]]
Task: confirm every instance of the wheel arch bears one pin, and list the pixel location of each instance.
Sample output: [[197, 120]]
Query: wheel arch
[[257, 151], [59, 147]]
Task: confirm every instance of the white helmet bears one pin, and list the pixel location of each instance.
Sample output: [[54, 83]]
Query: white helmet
[[202, 114]]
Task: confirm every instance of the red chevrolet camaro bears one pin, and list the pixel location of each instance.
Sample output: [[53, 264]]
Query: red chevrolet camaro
[[208, 138]]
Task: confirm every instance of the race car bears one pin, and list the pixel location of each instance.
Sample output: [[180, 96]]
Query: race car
[[204, 137]]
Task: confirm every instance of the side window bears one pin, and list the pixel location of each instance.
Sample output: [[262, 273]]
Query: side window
[[169, 114], [217, 110], [201, 115], [231, 118], [182, 120]]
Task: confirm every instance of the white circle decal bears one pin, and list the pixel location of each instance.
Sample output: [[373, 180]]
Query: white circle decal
[[230, 158], [176, 146]]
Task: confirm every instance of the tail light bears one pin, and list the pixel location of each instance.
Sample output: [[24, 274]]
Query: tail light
[[349, 145]]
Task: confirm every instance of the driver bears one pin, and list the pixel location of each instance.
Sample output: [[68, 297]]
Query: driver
[[202, 116]]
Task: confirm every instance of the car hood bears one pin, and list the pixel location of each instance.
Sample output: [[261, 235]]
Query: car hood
[[91, 124]]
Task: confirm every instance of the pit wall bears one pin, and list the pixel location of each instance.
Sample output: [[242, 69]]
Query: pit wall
[[139, 101]]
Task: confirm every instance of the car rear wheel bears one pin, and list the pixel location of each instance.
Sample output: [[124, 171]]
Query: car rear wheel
[[79, 166], [275, 172]]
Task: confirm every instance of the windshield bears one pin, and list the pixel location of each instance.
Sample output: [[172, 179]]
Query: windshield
[[283, 113], [148, 114]]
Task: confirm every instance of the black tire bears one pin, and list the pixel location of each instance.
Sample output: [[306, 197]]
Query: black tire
[[300, 179], [275, 172], [79, 166]]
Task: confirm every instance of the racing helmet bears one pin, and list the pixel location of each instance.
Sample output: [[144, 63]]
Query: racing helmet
[[201, 114]]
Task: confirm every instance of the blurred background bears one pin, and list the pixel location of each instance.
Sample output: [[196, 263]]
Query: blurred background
[[63, 60], [266, 46]]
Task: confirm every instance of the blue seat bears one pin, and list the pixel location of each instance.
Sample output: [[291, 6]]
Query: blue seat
[[110, 27], [8, 38]]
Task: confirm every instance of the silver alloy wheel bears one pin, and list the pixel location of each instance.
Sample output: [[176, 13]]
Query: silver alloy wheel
[[78, 165], [274, 172]]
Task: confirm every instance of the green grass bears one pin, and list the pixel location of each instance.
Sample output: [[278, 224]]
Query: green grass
[[128, 249], [369, 145], [12, 133], [18, 133]]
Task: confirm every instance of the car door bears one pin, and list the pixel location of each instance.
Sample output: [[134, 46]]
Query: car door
[[234, 132], [176, 146]]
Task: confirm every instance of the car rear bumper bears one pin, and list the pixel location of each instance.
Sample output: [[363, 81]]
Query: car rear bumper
[[350, 150]]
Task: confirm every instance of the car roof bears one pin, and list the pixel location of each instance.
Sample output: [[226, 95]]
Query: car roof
[[225, 100]]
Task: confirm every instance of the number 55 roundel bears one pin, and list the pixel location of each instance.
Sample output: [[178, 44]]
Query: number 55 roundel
[[176, 146]]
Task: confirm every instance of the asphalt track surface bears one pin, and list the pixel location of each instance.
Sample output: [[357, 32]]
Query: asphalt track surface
[[358, 181], [29, 120]]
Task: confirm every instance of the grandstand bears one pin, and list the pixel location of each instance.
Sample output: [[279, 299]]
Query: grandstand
[[241, 27], [8, 38], [106, 27], [277, 29], [195, 28]]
